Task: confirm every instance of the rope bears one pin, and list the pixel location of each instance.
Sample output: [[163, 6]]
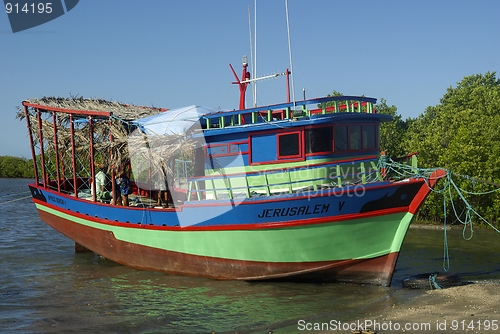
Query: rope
[[15, 200], [434, 285], [449, 187], [21, 193], [446, 255]]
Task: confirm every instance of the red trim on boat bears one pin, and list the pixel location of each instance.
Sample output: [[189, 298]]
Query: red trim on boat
[[270, 199], [425, 189], [270, 225]]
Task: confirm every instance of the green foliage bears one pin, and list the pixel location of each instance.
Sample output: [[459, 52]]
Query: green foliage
[[461, 134], [14, 167], [335, 93], [392, 133]]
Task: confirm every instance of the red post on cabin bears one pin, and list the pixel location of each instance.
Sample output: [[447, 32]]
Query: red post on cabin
[[243, 83]]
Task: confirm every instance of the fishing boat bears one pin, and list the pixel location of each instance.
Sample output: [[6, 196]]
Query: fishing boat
[[292, 191]]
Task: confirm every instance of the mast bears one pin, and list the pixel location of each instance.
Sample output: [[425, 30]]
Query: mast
[[289, 50], [245, 75], [253, 54], [243, 83]]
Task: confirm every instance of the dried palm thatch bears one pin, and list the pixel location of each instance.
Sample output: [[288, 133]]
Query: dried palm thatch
[[126, 112], [113, 144]]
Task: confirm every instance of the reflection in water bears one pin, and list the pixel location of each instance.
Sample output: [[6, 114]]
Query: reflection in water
[[46, 288], [119, 299]]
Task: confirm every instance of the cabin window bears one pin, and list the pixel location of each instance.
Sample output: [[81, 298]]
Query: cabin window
[[289, 145], [369, 137], [355, 137], [341, 138], [319, 140]]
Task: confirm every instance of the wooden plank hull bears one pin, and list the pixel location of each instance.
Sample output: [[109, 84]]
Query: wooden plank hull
[[359, 246], [376, 270]]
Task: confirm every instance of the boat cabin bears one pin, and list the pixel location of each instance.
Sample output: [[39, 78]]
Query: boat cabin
[[266, 151], [289, 147]]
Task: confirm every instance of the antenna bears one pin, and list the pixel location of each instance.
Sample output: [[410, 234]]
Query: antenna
[[290, 50], [254, 64], [253, 52], [247, 78]]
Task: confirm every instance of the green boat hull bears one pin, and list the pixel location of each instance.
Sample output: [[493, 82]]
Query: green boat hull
[[363, 249]]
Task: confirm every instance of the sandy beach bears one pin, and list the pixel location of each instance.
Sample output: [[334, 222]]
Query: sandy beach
[[471, 308]]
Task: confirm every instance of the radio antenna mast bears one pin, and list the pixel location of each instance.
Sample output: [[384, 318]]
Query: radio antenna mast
[[253, 57], [290, 50]]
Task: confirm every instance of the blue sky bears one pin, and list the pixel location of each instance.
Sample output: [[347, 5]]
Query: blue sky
[[176, 53]]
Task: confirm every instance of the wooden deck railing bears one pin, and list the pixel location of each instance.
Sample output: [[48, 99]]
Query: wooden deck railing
[[283, 181]]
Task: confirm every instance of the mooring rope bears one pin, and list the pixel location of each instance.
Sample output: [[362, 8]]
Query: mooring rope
[[9, 195], [434, 285], [446, 254], [15, 200], [449, 186]]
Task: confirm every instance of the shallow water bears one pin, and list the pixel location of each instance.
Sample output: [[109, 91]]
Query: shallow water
[[47, 288]]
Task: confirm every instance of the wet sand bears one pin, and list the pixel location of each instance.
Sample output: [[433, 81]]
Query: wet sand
[[471, 308]]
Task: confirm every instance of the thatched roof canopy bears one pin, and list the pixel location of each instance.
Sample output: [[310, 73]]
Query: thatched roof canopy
[[125, 112], [113, 142]]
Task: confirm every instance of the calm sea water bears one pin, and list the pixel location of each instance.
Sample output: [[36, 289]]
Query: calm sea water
[[46, 288]]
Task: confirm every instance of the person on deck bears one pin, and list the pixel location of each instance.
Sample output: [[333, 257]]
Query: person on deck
[[100, 183], [162, 185], [164, 198], [122, 188]]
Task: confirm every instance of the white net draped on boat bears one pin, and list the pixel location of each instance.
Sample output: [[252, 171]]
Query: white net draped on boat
[[159, 140]]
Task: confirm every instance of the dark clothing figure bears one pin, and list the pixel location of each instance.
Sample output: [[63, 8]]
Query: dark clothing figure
[[122, 189]]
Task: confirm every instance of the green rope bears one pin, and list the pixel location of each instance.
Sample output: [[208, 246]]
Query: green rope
[[449, 187], [446, 255], [434, 285]]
